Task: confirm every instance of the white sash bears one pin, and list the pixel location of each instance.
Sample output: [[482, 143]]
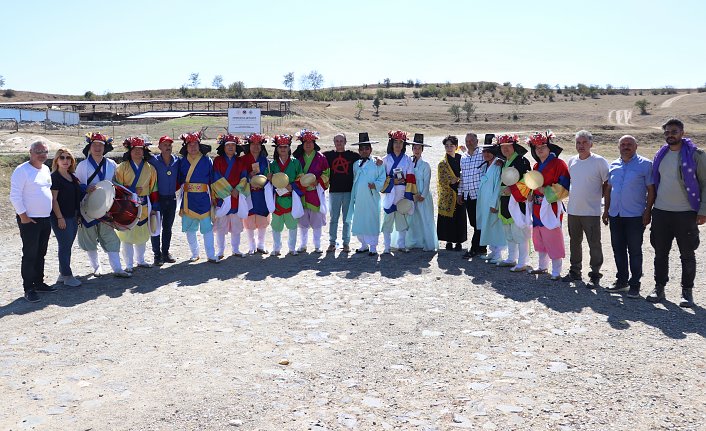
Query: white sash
[[520, 219], [323, 205], [270, 197], [297, 208], [547, 216], [244, 205]]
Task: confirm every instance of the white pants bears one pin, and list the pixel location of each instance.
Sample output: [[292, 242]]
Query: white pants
[[369, 242]]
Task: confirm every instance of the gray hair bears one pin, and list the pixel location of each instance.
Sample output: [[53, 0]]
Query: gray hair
[[627, 137], [38, 142], [584, 134], [341, 134], [472, 134]]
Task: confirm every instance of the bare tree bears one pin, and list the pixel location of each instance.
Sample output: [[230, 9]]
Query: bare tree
[[289, 81], [218, 82], [194, 80], [315, 79], [2, 81]]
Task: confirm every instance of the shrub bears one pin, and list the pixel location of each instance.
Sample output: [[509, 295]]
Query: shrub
[[9, 93], [642, 104]]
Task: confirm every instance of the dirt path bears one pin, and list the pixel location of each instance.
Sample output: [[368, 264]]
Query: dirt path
[[668, 103]]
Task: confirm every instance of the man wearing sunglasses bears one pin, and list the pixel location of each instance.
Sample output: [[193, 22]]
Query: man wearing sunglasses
[[30, 194]]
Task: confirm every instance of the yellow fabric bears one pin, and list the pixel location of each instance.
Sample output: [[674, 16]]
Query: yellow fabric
[[124, 175], [195, 187], [221, 188], [447, 195]]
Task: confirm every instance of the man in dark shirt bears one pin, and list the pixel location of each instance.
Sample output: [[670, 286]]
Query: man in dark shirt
[[341, 162]]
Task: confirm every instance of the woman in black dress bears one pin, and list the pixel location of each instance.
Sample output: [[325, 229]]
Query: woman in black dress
[[451, 222]]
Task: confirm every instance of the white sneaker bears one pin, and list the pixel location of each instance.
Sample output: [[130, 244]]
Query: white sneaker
[[99, 272], [122, 274], [144, 265], [72, 281]]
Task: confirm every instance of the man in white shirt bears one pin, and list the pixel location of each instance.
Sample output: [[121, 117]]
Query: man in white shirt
[[589, 176], [30, 194]]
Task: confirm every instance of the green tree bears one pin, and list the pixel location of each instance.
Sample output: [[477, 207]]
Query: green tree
[[470, 109], [89, 95], [386, 81], [376, 105], [358, 109], [455, 110], [237, 90], [642, 105]]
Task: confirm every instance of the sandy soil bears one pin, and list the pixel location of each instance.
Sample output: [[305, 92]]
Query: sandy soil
[[412, 341]]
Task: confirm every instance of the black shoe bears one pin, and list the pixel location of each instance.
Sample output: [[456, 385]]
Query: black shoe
[[571, 276], [449, 246], [657, 294], [361, 250], [372, 253], [458, 247], [595, 277], [469, 254], [618, 286], [687, 298], [167, 257], [634, 292], [32, 296], [43, 287], [158, 261]]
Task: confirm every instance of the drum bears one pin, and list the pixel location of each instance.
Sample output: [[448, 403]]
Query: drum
[[125, 211], [113, 205]]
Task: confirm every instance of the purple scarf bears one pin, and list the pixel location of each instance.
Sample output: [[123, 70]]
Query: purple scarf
[[688, 170]]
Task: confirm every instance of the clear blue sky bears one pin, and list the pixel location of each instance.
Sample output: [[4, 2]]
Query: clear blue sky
[[70, 47]]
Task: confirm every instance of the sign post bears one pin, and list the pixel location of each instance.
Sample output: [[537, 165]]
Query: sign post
[[244, 120]]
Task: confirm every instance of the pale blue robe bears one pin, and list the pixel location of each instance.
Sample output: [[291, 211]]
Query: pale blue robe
[[491, 228], [422, 224], [364, 209]]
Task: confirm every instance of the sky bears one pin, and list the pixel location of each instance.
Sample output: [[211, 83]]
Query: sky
[[74, 46]]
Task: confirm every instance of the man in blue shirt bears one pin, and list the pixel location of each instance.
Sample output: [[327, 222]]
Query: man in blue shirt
[[166, 165], [628, 202]]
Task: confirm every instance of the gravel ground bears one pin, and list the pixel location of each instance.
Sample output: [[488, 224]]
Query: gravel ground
[[412, 341]]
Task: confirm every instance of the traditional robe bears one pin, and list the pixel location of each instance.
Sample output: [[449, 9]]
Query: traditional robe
[[226, 177], [283, 204], [259, 205], [196, 175], [126, 175], [422, 229], [364, 209], [491, 228], [316, 164], [395, 193]]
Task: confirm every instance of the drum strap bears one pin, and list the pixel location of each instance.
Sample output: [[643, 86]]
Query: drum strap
[[97, 170]]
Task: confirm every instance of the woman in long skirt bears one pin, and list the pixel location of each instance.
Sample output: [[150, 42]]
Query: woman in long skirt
[[451, 223]]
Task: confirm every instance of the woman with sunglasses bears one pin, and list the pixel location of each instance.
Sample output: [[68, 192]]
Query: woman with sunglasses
[[66, 196]]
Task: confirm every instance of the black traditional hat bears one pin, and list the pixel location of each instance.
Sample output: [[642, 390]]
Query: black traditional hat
[[187, 138], [363, 139], [512, 139]]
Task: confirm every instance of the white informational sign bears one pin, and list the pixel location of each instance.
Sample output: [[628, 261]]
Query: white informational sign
[[244, 120]]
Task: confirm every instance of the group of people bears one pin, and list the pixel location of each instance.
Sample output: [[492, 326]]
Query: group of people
[[509, 203]]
